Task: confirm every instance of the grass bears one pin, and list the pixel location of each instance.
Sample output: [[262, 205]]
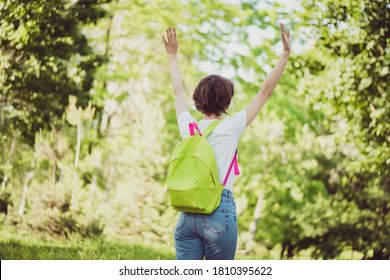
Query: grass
[[15, 246], [26, 245]]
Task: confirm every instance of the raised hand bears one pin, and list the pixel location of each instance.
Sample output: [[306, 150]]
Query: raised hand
[[172, 46], [272, 79], [285, 38], [170, 41]]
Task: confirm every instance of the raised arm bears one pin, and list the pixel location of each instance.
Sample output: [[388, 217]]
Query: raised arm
[[171, 45], [269, 84]]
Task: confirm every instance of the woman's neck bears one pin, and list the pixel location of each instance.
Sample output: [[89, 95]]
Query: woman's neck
[[211, 117]]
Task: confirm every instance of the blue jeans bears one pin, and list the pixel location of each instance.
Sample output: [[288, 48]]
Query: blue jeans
[[213, 237]]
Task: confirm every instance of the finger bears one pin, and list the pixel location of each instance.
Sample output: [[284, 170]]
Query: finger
[[284, 38], [167, 35], [282, 34], [171, 36], [286, 35], [282, 27], [284, 41], [165, 41]]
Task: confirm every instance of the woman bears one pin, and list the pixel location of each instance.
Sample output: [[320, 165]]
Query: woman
[[214, 236]]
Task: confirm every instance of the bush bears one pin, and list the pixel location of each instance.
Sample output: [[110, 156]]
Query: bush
[[92, 229], [5, 201], [69, 223]]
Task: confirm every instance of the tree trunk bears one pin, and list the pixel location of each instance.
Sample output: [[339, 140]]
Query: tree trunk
[[250, 245], [11, 151], [27, 179], [93, 189], [256, 215], [76, 163], [106, 117], [54, 176]]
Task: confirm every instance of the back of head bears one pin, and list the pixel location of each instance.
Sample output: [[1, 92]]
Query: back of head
[[213, 95]]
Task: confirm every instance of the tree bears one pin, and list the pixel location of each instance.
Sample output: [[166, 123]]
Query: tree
[[352, 40], [44, 59]]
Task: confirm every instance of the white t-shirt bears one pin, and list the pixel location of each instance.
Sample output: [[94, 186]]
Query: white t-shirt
[[223, 140]]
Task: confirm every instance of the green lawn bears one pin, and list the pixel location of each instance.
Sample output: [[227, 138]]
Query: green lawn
[[14, 246], [27, 245]]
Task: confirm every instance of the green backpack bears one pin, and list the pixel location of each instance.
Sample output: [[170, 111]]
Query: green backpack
[[192, 179]]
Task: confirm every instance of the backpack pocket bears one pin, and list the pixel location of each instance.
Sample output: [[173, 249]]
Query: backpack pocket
[[202, 200]]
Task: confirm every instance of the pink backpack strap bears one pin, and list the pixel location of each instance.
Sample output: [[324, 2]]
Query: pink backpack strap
[[236, 169], [193, 126]]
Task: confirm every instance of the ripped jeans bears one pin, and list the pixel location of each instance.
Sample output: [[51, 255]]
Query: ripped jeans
[[210, 237]]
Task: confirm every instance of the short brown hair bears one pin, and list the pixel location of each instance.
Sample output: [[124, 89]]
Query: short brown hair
[[213, 95]]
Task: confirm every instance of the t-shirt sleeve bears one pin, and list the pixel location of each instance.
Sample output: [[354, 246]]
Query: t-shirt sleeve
[[183, 121], [238, 123]]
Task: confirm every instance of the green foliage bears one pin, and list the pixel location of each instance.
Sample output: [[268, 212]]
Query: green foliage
[[44, 59], [355, 57], [68, 224]]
